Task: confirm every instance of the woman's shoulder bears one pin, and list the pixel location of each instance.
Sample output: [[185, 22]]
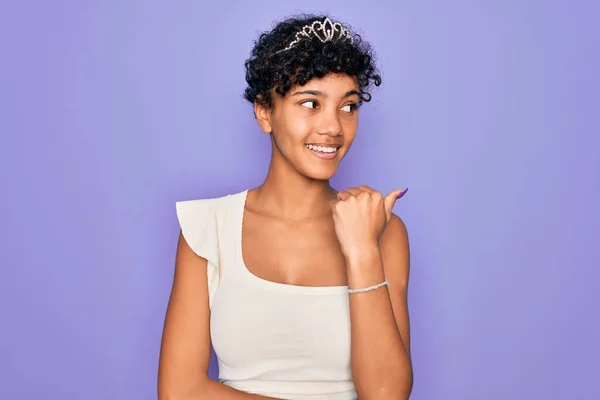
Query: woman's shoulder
[[207, 203], [201, 221], [202, 214]]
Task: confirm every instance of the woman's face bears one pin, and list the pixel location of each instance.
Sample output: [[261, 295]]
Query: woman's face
[[314, 125]]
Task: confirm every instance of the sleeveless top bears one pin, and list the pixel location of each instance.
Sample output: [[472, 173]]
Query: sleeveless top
[[273, 339]]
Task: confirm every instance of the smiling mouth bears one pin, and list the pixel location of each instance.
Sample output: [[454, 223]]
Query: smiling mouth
[[324, 152], [323, 149]]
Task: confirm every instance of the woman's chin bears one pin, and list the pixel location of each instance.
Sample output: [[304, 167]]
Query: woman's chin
[[320, 174]]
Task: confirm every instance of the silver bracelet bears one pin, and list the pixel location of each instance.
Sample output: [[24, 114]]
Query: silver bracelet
[[366, 289]]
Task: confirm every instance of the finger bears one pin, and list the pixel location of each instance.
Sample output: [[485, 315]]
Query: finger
[[367, 188], [390, 200], [343, 195], [354, 191]]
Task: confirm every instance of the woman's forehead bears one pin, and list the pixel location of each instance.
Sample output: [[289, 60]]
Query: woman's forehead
[[331, 85]]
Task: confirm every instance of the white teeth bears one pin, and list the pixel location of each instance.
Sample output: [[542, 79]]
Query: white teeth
[[322, 149]]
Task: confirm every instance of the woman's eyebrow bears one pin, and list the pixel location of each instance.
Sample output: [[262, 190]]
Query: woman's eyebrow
[[319, 93]]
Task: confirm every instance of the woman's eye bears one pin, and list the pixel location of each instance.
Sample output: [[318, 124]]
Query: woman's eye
[[349, 107], [314, 103]]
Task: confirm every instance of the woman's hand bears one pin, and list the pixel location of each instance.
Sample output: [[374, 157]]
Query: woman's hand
[[360, 216]]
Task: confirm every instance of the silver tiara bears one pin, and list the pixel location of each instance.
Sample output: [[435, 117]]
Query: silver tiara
[[324, 31]]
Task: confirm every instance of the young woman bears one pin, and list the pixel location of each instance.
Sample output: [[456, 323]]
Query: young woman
[[301, 289]]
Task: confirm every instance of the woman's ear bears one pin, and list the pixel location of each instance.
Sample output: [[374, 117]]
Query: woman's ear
[[263, 117]]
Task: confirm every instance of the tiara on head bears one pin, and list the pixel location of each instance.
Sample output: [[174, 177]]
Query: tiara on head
[[324, 31]]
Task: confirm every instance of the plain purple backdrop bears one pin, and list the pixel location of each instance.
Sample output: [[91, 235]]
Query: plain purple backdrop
[[110, 111]]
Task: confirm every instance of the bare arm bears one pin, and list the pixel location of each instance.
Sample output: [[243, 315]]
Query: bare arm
[[185, 347], [381, 363]]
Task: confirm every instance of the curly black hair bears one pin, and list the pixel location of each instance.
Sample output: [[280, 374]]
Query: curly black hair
[[268, 67]]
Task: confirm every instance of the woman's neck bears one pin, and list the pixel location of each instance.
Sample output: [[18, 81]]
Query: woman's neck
[[290, 195]]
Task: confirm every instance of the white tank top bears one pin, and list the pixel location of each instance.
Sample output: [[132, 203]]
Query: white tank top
[[272, 339]]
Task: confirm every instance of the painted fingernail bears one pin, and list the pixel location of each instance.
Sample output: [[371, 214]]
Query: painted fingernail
[[402, 193]]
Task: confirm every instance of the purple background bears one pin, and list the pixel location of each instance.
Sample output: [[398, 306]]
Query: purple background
[[112, 110]]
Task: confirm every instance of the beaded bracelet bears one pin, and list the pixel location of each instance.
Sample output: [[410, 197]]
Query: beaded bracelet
[[366, 289]]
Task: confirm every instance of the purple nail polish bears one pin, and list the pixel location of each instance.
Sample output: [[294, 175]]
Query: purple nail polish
[[402, 194]]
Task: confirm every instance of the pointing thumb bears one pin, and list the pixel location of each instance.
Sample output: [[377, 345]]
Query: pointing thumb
[[390, 200]]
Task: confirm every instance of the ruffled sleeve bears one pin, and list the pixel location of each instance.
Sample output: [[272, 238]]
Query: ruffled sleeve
[[198, 220]]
